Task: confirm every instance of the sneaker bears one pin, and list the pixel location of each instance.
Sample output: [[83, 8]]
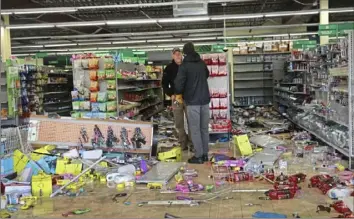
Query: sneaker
[[195, 160], [205, 158]]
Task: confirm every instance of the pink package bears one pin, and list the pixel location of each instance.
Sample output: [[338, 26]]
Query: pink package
[[214, 70], [216, 114], [222, 92], [214, 92], [223, 114], [215, 103], [222, 70], [223, 103], [215, 59], [222, 59], [207, 59]]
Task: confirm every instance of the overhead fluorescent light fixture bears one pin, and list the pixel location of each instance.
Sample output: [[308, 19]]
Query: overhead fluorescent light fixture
[[94, 43], [290, 13], [236, 17], [129, 42], [183, 19], [342, 10], [23, 54], [54, 50], [164, 40], [60, 45], [199, 39], [80, 24], [34, 26], [27, 46], [39, 10], [127, 22], [303, 34]]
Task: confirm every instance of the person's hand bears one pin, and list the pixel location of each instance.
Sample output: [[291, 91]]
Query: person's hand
[[173, 97]]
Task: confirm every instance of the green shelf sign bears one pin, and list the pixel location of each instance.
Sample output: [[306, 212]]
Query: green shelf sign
[[335, 29]]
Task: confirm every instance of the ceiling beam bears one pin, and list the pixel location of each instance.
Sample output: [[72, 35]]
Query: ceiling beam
[[190, 19]]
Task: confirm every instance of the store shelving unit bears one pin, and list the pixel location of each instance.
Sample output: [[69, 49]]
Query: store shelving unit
[[329, 85], [139, 91], [56, 90], [253, 78]]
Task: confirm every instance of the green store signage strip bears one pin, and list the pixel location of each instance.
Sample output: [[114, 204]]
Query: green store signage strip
[[335, 29]]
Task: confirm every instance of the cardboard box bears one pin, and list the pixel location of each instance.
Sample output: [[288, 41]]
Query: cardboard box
[[173, 154], [42, 185]]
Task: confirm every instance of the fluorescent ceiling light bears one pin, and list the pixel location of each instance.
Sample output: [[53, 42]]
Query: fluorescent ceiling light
[[232, 17], [60, 45], [183, 19], [111, 48], [54, 50], [167, 46], [34, 26], [83, 49], [129, 42], [95, 43], [341, 10], [204, 34], [150, 37], [303, 34], [103, 39], [138, 21], [164, 40], [80, 24], [290, 13], [27, 46], [199, 39], [23, 54], [38, 10]]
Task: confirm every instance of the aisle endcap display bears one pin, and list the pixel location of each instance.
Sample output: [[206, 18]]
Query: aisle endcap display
[[108, 135]]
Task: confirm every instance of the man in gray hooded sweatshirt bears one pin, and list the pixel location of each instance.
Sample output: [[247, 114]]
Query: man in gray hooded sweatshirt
[[192, 83]]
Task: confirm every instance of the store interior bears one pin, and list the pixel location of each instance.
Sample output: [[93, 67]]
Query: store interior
[[88, 128]]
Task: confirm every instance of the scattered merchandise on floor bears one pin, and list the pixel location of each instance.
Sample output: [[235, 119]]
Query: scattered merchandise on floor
[[269, 165]]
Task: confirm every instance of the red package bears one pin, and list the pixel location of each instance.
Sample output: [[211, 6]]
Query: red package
[[222, 59], [214, 70], [222, 92], [207, 59], [215, 59], [222, 70], [223, 103], [223, 114], [216, 114], [215, 103], [214, 93], [209, 68]]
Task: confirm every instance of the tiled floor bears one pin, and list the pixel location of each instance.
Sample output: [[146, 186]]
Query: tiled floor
[[99, 200]]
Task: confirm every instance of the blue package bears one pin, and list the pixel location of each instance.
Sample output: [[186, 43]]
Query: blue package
[[260, 214], [6, 165]]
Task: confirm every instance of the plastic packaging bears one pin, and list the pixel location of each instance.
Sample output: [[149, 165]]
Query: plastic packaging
[[101, 75], [110, 74], [93, 86], [102, 97], [111, 84], [111, 95], [93, 75], [111, 106], [93, 97]]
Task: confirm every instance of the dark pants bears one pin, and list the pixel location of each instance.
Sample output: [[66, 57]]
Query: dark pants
[[178, 113], [198, 122]]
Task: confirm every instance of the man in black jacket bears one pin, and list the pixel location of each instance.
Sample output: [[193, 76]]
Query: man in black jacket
[[168, 78], [192, 83]]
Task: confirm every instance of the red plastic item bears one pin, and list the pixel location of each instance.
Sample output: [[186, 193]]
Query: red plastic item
[[297, 178], [286, 185], [270, 176], [340, 207], [278, 194], [323, 182], [243, 176]]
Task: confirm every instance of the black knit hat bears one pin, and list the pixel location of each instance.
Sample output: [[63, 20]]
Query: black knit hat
[[188, 48]]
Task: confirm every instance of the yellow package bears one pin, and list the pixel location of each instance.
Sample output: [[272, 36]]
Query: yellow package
[[41, 152], [175, 154], [41, 185], [66, 166], [243, 144], [20, 161]]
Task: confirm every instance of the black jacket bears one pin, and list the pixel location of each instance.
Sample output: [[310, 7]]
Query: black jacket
[[168, 78], [192, 80]]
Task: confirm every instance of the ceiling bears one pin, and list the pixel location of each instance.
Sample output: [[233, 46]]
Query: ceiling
[[241, 7]]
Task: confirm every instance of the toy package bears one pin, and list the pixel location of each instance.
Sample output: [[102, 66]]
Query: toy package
[[223, 103], [101, 75], [222, 92], [207, 59], [93, 75], [95, 107], [102, 97], [93, 97], [76, 105], [214, 70], [216, 114], [223, 114], [112, 95], [111, 106], [74, 95], [222, 70], [85, 105], [110, 74], [108, 63], [93, 63], [102, 107], [93, 86], [111, 84], [84, 63]]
